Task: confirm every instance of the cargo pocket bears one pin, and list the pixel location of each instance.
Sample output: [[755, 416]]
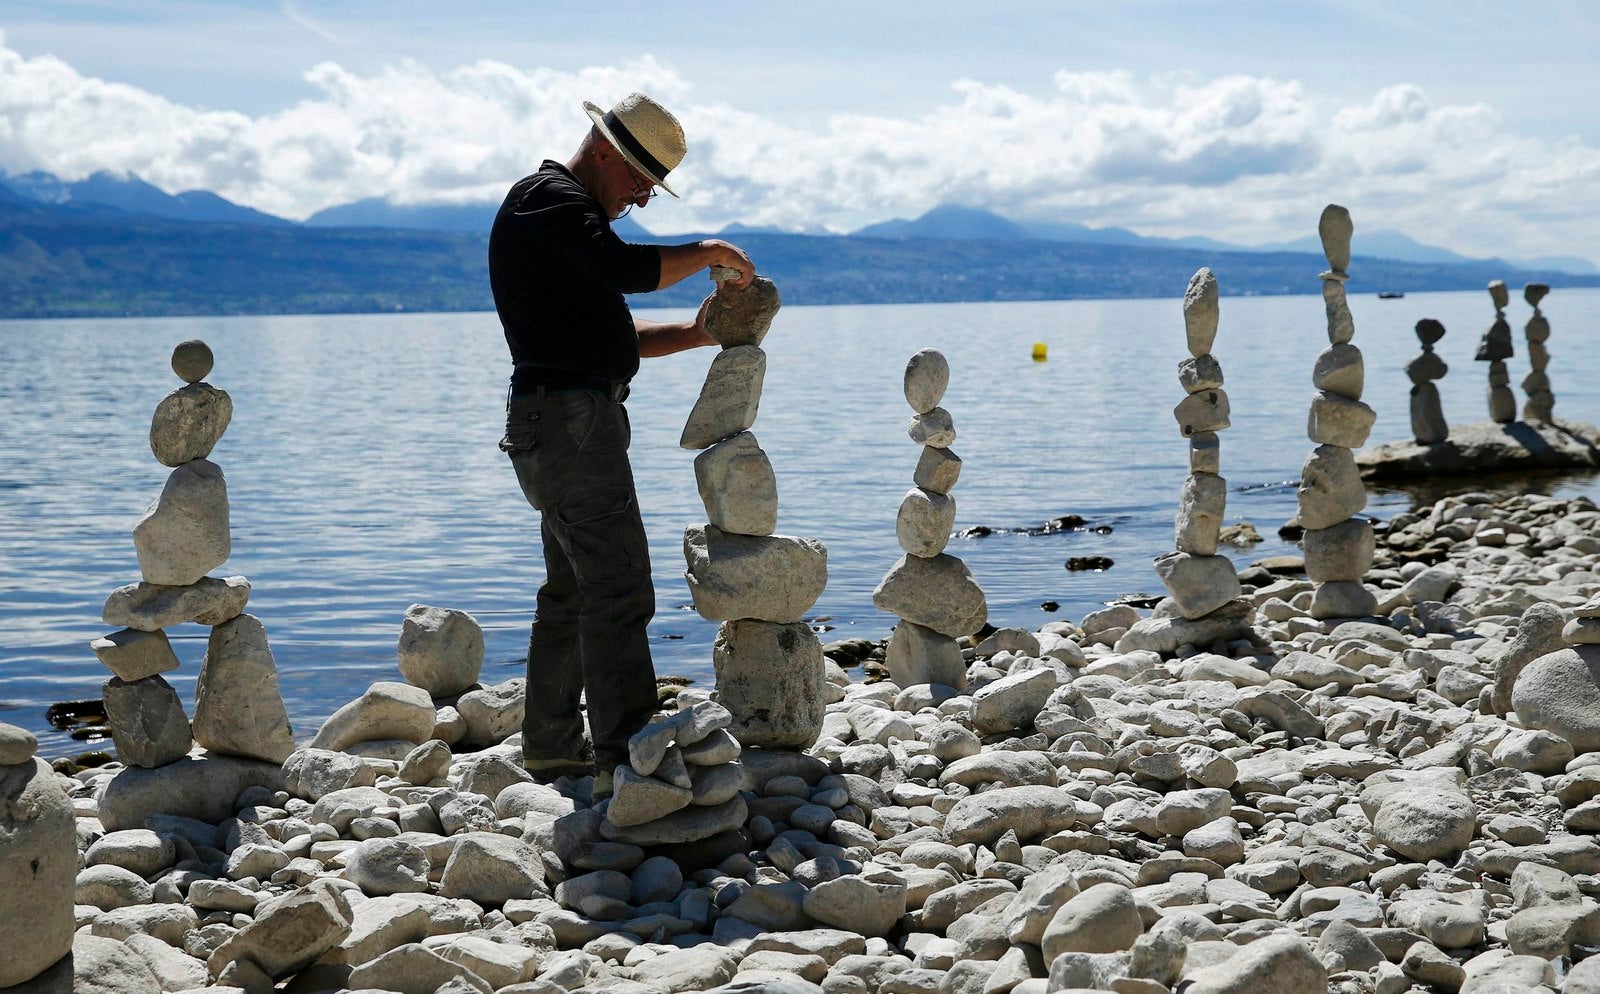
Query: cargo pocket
[[523, 422], [605, 534]]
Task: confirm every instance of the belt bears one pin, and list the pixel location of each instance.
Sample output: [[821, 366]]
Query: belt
[[528, 378]]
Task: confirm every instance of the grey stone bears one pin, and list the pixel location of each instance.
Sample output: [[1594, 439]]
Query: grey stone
[[1032, 812], [1200, 312], [139, 850], [204, 789], [715, 749], [1336, 420], [737, 486], [441, 649], [686, 727], [773, 578], [184, 533], [934, 428], [38, 872], [99, 966], [691, 824], [1275, 964], [1340, 370], [1202, 412], [871, 904], [917, 655], [108, 887], [639, 799], [1428, 424], [1341, 327], [927, 375], [387, 711], [1012, 702], [1330, 487], [1560, 692], [1335, 229], [1205, 452], [1102, 919], [1426, 367], [149, 607], [1198, 373], [192, 360], [188, 423], [381, 867], [1499, 294], [1340, 552], [310, 773], [1343, 599], [1502, 405], [287, 935], [1201, 506], [492, 869], [147, 721], [742, 315], [1165, 634], [494, 713], [937, 470], [133, 655], [415, 969], [1424, 823], [1539, 633], [729, 398], [237, 708], [172, 968], [937, 593], [924, 521], [771, 678], [1198, 584]]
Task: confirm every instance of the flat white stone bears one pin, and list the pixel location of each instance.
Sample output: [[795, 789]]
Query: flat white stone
[[149, 607], [927, 376], [737, 486], [1330, 487], [729, 398], [924, 521]]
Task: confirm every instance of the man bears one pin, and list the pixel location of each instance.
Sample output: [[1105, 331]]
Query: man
[[558, 273]]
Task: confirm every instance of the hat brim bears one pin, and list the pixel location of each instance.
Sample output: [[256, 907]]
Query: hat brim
[[598, 117]]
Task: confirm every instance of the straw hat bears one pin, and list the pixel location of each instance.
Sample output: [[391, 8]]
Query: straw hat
[[649, 138]]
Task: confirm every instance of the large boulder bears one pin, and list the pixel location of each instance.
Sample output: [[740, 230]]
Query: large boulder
[[201, 788], [766, 578], [237, 708], [441, 650], [1560, 693], [770, 677], [729, 397], [38, 870], [937, 593]]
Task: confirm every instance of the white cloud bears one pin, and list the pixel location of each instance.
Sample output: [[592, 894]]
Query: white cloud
[[1237, 157]]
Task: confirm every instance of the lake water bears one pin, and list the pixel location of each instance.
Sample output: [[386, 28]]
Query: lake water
[[363, 473]]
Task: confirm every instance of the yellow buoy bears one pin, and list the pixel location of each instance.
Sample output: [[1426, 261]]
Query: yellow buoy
[[1040, 351]]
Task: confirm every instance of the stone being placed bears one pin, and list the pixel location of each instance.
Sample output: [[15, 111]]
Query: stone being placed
[[237, 708], [1198, 580], [1495, 349], [1541, 402], [1428, 424], [1339, 546], [441, 649], [38, 869], [768, 663], [184, 535], [932, 593]]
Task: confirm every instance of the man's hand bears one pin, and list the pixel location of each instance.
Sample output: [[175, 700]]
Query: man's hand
[[736, 260], [681, 261]]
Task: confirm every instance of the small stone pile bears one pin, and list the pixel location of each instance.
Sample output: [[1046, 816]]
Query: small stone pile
[[1200, 581], [759, 585], [933, 593], [1338, 545], [1495, 349], [681, 782], [1541, 403], [1428, 424], [182, 537]]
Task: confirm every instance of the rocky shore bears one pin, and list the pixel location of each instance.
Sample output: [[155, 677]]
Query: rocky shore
[[1403, 802]]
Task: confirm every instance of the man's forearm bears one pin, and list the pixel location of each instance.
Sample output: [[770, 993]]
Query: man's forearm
[[659, 338], [678, 262]]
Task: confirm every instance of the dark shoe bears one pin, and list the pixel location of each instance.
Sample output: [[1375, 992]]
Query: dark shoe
[[547, 771]]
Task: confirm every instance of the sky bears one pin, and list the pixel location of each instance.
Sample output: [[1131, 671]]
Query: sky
[[1469, 125]]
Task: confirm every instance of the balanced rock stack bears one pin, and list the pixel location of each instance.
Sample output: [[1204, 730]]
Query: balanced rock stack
[[1558, 691], [1541, 402], [1338, 546], [768, 662], [1495, 349], [38, 840], [182, 537], [933, 593], [1428, 424], [681, 783], [1199, 580]]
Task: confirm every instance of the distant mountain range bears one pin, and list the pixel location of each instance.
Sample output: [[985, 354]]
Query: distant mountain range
[[110, 245]]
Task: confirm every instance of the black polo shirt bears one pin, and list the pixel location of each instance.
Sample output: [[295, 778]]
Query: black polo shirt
[[558, 273]]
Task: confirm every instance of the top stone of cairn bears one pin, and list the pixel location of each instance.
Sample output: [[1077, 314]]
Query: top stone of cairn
[[1429, 331], [1499, 293], [1335, 229], [927, 376], [192, 360], [1534, 292], [1200, 312], [741, 315]]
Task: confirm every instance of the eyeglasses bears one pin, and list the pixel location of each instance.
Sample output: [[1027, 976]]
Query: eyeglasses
[[644, 188]]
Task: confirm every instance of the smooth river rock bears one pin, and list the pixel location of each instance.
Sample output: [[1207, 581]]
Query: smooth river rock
[[184, 534], [188, 423], [238, 710], [771, 679], [729, 398], [1560, 693], [767, 578], [148, 725], [441, 649], [938, 593], [737, 486]]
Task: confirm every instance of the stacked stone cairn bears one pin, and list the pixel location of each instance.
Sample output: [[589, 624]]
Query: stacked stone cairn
[[182, 537], [1338, 545], [1495, 349], [1200, 581], [1541, 403], [38, 861], [1428, 424], [768, 662], [933, 593]]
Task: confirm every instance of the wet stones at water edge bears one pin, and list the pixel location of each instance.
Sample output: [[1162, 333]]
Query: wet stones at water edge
[[768, 663], [932, 593]]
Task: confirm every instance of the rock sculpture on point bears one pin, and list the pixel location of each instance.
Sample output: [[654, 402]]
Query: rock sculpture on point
[[1339, 546], [1541, 402], [1428, 424], [1495, 349]]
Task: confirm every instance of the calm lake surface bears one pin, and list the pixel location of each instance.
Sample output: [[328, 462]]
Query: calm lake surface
[[363, 473]]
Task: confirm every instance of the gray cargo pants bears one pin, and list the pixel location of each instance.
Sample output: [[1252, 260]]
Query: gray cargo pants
[[570, 451]]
